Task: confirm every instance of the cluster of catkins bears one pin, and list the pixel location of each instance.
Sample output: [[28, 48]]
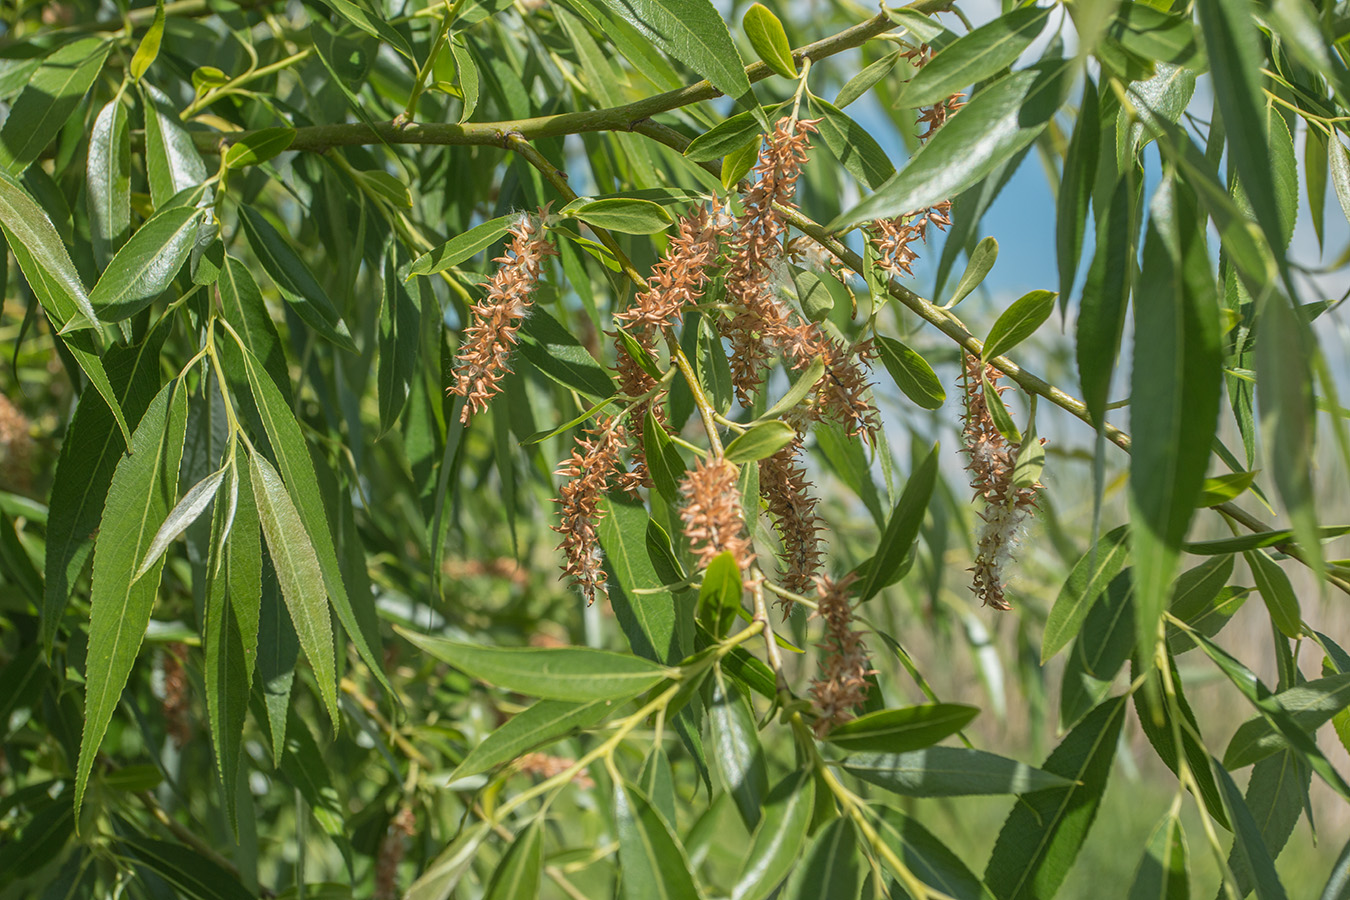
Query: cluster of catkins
[[993, 459]]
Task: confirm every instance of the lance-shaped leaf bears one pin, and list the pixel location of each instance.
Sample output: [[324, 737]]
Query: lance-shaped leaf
[[1162, 874], [1106, 294], [299, 574], [1276, 794], [462, 246], [557, 353], [1075, 189], [736, 750], [1175, 388], [692, 32], [44, 260], [188, 510], [851, 144], [764, 439], [1018, 322], [899, 730], [770, 41], [1086, 582], [185, 869], [829, 870], [912, 374], [564, 673], [975, 56], [172, 162], [52, 95], [543, 722], [517, 875], [1000, 120], [663, 461], [652, 863], [148, 49], [949, 772], [142, 492], [903, 528], [1277, 592], [1248, 844], [1045, 830], [778, 841], [294, 279], [929, 859], [623, 214], [981, 262], [400, 321], [108, 171], [259, 146], [440, 878], [1310, 705]]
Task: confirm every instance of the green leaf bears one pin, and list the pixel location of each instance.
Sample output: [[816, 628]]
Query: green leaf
[[42, 256], [188, 510], [903, 528], [517, 875], [172, 163], [244, 309], [1248, 845], [1175, 388], [1258, 540], [297, 473], [900, 730], [50, 98], [853, 145], [371, 23], [439, 880], [278, 650], [1309, 705], [864, 81], [1045, 830], [540, 724], [1018, 322], [462, 246], [142, 492], [1106, 293], [719, 597], [1277, 592], [982, 260], [1099, 652], [18, 567], [1199, 595], [656, 626], [1075, 189], [555, 352], [259, 146], [1338, 883], [927, 858], [298, 571], [735, 747], [829, 870], [664, 463], [294, 280], [108, 171], [233, 612], [1153, 34], [1276, 794], [302, 765], [1087, 580], [400, 326], [652, 863], [90, 452], [778, 840], [692, 32], [622, 214], [738, 164], [949, 772], [770, 41], [727, 136], [806, 380], [1162, 874], [564, 673], [184, 869], [147, 264], [1000, 120], [975, 57], [148, 49], [764, 439], [1223, 488]]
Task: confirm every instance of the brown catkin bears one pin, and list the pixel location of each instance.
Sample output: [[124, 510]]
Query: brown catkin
[[840, 685], [712, 516], [392, 848], [786, 492], [589, 472], [16, 446], [175, 705]]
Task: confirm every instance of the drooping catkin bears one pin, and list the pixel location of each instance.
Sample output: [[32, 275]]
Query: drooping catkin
[[484, 358], [786, 492], [16, 446], [713, 521], [840, 685], [992, 461], [587, 475]]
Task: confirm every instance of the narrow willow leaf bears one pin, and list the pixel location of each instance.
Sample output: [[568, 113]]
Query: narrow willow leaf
[[864, 81], [779, 839], [949, 772], [903, 528], [736, 750], [536, 726], [233, 615], [1338, 883], [657, 626], [800, 388], [1105, 643], [1175, 388], [1258, 540], [90, 453], [998, 411], [146, 264], [975, 56], [1075, 189], [1223, 488], [764, 439], [1276, 794], [719, 598], [565, 673], [1310, 706], [259, 146], [553, 350], [148, 49], [186, 870], [302, 766], [299, 574], [42, 256], [294, 279], [142, 492], [1195, 596], [853, 145], [172, 163], [829, 870], [1154, 35], [517, 875], [999, 121], [692, 32], [278, 650], [244, 309], [1106, 292], [664, 463], [18, 565], [927, 858], [1277, 592], [903, 729], [52, 95], [1162, 873], [1248, 845], [732, 133], [738, 164], [982, 260], [622, 214], [1018, 322], [1339, 161], [1045, 830], [108, 171], [188, 510], [441, 877], [400, 323], [770, 41], [297, 473], [652, 863], [462, 246]]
